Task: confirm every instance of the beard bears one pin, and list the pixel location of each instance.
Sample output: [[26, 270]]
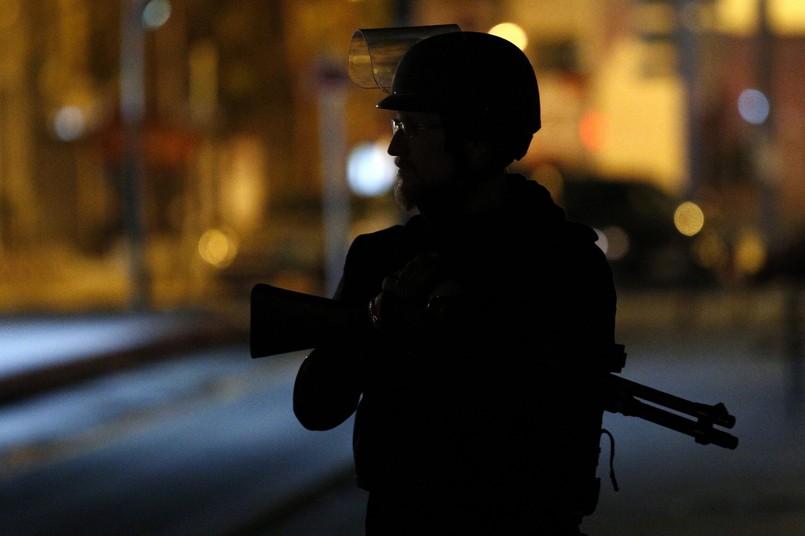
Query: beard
[[415, 191], [404, 197], [413, 196]]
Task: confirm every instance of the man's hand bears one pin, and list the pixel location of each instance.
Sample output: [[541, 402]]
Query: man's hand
[[417, 280], [401, 308]]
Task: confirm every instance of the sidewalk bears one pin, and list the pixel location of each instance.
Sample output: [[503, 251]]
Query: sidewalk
[[45, 352], [40, 352]]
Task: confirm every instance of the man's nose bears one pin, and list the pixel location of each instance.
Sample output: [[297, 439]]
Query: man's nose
[[397, 143]]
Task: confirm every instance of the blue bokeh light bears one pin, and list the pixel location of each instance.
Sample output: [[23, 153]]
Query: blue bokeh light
[[753, 106]]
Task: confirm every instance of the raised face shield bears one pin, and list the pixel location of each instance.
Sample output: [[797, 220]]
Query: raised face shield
[[374, 53]]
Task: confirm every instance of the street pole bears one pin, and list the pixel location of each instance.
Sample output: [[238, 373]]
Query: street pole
[[132, 113], [686, 12], [336, 215], [764, 147], [763, 139], [402, 12]]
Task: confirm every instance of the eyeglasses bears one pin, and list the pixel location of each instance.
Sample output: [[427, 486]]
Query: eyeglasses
[[409, 129]]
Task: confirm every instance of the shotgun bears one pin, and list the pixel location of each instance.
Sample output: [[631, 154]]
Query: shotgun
[[283, 321]]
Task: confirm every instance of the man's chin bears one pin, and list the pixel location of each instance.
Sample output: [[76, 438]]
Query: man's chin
[[403, 196]]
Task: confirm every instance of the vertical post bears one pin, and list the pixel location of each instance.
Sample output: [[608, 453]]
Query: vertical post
[[332, 142], [767, 180], [132, 113], [402, 12], [687, 11], [794, 344], [763, 139]]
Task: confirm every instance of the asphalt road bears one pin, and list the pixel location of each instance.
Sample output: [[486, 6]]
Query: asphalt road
[[199, 445], [206, 444], [714, 349]]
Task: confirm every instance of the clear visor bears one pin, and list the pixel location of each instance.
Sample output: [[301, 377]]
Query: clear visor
[[374, 53]]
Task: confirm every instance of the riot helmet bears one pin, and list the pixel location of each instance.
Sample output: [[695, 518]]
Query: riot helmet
[[482, 85]]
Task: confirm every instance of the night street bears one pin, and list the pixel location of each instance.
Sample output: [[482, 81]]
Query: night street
[[195, 446], [489, 170], [206, 444], [708, 348]]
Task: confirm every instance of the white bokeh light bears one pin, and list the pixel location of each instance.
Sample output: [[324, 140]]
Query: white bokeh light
[[69, 123], [156, 13], [370, 169]]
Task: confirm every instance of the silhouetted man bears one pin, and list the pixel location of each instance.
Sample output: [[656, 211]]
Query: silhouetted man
[[475, 410]]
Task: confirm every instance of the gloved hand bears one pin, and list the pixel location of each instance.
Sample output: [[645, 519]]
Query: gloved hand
[[402, 307], [417, 279]]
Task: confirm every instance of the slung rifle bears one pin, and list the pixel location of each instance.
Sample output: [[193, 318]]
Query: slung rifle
[[283, 321]]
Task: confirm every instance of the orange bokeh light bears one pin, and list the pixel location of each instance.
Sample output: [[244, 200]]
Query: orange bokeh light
[[592, 131]]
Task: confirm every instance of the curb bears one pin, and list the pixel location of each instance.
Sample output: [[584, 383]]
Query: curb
[[199, 333]]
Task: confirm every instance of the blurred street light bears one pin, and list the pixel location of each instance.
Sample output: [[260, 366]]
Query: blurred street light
[[370, 169]]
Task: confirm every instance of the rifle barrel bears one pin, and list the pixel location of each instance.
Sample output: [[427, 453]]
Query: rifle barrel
[[714, 413], [702, 431]]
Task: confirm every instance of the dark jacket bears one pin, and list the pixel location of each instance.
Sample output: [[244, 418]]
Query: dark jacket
[[495, 403]]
